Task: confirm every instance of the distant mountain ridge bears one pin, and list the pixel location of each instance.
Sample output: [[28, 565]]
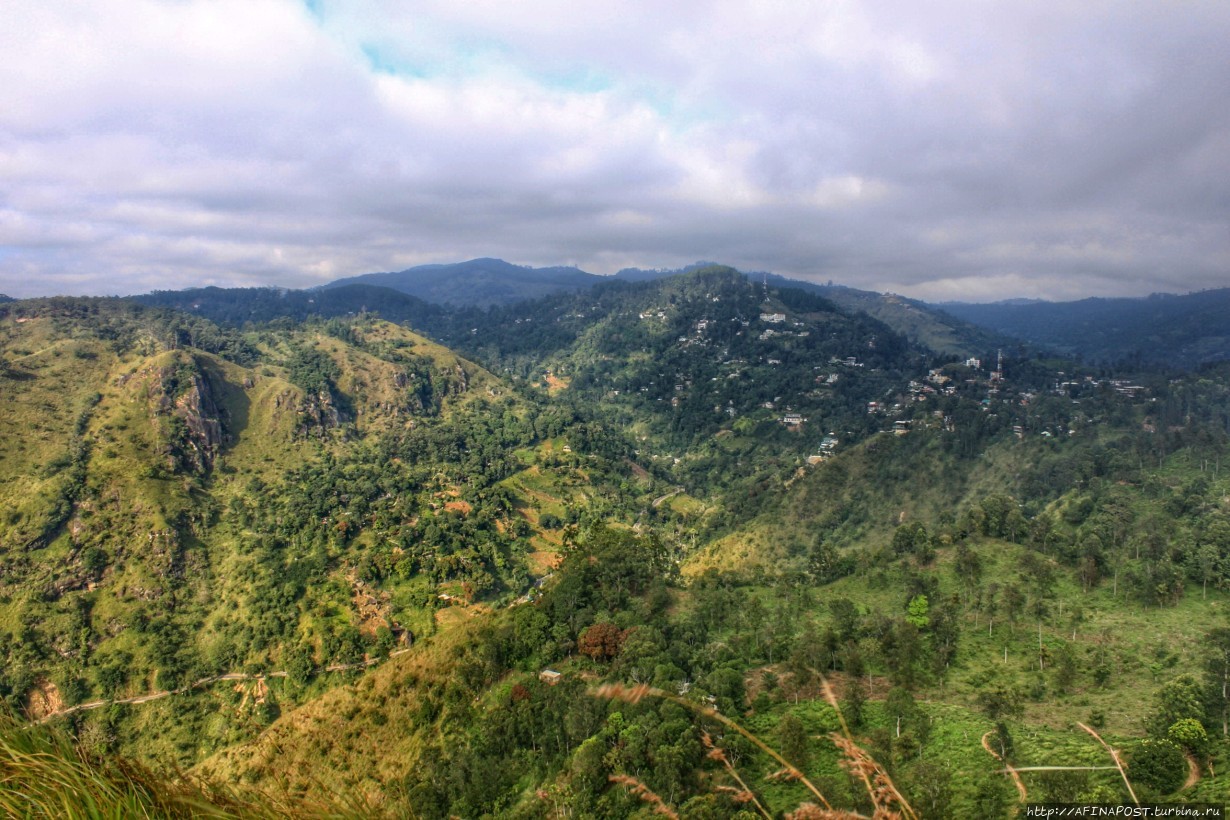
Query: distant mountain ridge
[[1181, 330], [1164, 329], [488, 282], [480, 282]]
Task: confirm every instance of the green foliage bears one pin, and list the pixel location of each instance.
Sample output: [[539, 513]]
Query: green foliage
[[46, 774], [917, 612], [793, 741], [312, 369], [998, 702], [514, 528], [1157, 764], [1178, 700], [1189, 734]]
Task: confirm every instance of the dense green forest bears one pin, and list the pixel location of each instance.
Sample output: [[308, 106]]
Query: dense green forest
[[1163, 330], [691, 545]]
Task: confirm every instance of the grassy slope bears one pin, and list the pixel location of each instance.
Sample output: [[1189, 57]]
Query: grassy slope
[[171, 540], [111, 487], [334, 741], [360, 737], [857, 497]]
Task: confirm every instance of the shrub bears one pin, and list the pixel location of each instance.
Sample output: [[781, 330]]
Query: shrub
[[1158, 764]]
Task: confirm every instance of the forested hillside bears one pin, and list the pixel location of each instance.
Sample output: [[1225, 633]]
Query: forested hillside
[[1163, 330], [478, 282], [183, 501], [689, 545], [237, 307]]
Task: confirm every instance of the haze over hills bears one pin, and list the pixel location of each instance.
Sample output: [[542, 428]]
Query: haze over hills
[[479, 282], [491, 282], [1183, 330]]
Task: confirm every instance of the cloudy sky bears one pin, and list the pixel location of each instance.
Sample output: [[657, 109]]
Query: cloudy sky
[[974, 150]]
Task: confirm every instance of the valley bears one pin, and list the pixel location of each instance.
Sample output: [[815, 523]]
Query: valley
[[703, 543]]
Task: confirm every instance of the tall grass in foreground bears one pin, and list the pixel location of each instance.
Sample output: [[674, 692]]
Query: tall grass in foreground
[[45, 773], [887, 800]]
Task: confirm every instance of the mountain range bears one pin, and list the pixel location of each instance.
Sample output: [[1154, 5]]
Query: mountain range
[[1163, 329], [478, 282], [1186, 331], [644, 543]]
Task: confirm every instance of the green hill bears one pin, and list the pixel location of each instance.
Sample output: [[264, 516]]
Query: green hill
[[478, 282], [182, 502], [1164, 330], [565, 560]]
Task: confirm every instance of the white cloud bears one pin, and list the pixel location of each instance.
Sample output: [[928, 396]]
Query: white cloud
[[1063, 148]]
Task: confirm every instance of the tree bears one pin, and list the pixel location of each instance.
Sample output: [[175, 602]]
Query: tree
[[601, 641], [905, 715], [1064, 666], [846, 618], [1158, 764], [1217, 677], [806, 656], [968, 569], [909, 538], [300, 665], [855, 700], [930, 790], [916, 611], [904, 652], [993, 796], [1064, 787], [589, 774], [1001, 702], [827, 564], [1189, 735], [1178, 699], [796, 746], [726, 684]]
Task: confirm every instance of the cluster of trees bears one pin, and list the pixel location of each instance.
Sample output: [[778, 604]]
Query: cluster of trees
[[615, 603]]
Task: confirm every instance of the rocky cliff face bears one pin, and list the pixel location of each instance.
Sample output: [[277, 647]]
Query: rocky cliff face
[[318, 412], [182, 402]]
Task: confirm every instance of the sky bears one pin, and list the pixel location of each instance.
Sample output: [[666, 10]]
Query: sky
[[972, 150]]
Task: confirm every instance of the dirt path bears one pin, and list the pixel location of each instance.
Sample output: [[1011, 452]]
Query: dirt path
[[657, 502], [1193, 771], [229, 676], [1016, 778]]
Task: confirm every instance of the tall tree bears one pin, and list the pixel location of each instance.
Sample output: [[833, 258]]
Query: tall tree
[[1217, 677], [796, 746]]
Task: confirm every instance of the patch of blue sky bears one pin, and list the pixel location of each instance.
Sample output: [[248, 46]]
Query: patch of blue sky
[[577, 80], [680, 113], [475, 57], [466, 58], [382, 62]]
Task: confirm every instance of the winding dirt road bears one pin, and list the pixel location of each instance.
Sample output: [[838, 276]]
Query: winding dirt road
[[229, 676], [1016, 778]]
